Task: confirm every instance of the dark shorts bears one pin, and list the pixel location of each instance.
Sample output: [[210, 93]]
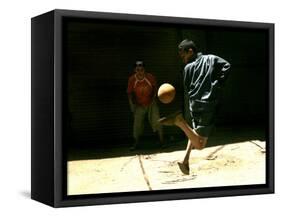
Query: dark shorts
[[203, 122]]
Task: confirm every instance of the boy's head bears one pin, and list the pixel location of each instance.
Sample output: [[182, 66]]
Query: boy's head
[[139, 67], [187, 50]]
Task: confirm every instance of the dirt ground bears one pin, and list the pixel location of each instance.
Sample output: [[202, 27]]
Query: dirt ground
[[237, 163]]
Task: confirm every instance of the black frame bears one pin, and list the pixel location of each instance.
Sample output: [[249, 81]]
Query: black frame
[[48, 161]]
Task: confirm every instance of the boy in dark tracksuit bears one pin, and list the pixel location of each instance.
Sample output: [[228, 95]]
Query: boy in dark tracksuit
[[203, 79]]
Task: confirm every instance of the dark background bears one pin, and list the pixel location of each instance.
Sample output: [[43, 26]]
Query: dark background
[[99, 57]]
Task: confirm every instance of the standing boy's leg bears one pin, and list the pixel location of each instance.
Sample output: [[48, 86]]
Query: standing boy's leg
[[194, 139], [184, 165], [153, 117], [139, 116]]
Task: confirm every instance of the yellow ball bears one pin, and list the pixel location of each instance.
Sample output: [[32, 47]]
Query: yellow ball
[[166, 93]]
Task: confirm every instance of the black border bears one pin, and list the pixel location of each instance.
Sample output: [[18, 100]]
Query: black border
[[60, 198], [42, 122]]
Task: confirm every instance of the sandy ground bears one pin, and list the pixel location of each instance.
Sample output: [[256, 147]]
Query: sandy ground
[[241, 163]]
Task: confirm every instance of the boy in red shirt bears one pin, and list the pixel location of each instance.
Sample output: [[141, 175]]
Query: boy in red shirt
[[142, 89]]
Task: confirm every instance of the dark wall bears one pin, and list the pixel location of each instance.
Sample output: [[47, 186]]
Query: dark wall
[[99, 58], [245, 94]]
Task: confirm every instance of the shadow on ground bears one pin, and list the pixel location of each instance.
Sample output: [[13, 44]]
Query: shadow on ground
[[221, 136]]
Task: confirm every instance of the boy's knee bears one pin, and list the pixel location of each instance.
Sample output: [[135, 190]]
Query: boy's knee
[[201, 143]]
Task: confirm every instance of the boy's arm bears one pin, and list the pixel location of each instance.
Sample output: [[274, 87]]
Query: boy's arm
[[186, 79], [154, 85], [152, 79], [130, 94], [132, 104], [223, 69]]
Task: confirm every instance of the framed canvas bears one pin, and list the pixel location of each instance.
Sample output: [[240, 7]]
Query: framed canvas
[[134, 108]]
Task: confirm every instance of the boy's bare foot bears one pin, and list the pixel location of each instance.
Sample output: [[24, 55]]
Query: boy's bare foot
[[134, 146], [171, 119], [184, 168]]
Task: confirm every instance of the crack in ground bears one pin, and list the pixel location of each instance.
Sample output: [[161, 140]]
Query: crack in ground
[[144, 174], [127, 162], [262, 148], [212, 155]]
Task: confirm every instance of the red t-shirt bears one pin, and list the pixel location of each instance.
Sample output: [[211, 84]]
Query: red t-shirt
[[143, 90]]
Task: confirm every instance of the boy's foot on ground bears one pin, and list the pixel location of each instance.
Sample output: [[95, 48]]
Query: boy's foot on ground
[[170, 119], [163, 145], [184, 168], [134, 147]]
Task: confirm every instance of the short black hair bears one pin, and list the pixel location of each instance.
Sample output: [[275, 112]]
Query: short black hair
[[186, 44]]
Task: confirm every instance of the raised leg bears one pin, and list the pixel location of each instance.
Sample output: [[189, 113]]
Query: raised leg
[[197, 141], [194, 139]]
